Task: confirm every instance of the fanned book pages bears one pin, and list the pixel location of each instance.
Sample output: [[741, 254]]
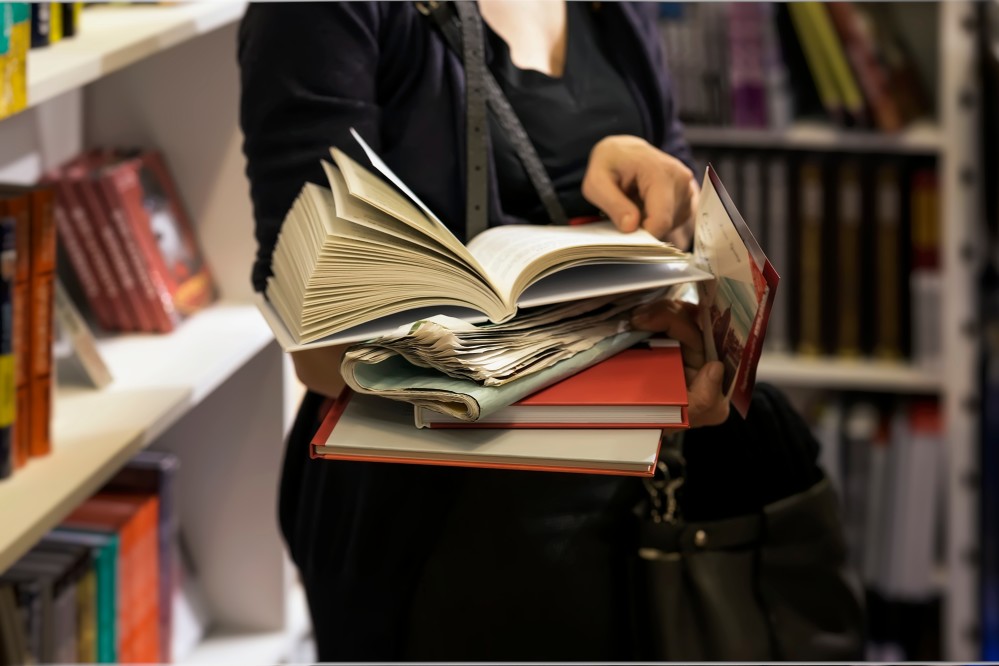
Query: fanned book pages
[[366, 255]]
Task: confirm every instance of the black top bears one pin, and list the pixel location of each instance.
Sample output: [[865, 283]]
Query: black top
[[564, 116]]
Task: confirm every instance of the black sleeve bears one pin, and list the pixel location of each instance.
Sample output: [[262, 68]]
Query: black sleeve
[[742, 465], [307, 75]]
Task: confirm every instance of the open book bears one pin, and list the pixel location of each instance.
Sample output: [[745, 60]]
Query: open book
[[366, 256]]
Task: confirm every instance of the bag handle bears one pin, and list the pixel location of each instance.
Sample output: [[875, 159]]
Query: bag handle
[[461, 26]]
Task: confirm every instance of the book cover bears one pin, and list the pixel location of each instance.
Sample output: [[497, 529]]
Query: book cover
[[736, 305], [368, 428], [78, 359], [161, 219], [642, 387]]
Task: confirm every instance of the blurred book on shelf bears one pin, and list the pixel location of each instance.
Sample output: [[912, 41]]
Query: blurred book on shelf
[[15, 39], [778, 62], [101, 587], [886, 458], [77, 357], [129, 241]]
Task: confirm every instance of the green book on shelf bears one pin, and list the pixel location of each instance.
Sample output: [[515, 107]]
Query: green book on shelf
[[104, 553]]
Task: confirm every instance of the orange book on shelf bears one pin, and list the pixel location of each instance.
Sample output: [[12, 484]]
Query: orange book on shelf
[[637, 388], [134, 519]]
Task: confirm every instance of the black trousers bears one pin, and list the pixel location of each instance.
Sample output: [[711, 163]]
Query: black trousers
[[407, 562]]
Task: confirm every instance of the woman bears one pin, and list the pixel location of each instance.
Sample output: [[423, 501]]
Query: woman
[[410, 562]]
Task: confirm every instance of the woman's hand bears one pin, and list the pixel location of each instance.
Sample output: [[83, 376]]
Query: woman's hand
[[706, 404], [638, 185], [319, 369]]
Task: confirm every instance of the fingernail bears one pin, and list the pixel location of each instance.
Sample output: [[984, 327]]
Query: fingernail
[[715, 372]]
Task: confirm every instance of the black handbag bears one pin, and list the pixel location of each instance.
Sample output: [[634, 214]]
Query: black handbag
[[764, 586]]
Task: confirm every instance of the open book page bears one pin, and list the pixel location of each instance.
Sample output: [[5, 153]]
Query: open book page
[[736, 305], [515, 255], [421, 217]]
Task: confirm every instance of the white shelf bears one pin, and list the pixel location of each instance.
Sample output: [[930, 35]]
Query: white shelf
[[158, 379], [264, 647], [114, 37], [835, 373], [923, 138]]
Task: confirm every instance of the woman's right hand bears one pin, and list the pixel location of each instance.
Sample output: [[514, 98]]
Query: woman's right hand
[[319, 369], [706, 405]]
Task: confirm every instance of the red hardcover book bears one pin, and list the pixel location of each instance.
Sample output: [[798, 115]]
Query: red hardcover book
[[134, 519], [123, 194], [372, 429], [85, 271], [121, 319], [164, 227], [42, 313], [638, 388], [16, 205], [88, 191]]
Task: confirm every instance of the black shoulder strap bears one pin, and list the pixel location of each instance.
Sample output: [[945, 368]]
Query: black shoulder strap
[[462, 28]]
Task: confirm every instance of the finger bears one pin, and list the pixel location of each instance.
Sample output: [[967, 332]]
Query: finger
[[705, 403], [656, 189], [603, 189]]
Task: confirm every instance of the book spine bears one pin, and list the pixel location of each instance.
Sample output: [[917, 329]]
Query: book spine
[[134, 304], [17, 208], [86, 613], [118, 184], [43, 265], [810, 307], [85, 273], [926, 283], [8, 387], [777, 233], [888, 211], [832, 53], [848, 250], [41, 24], [85, 230]]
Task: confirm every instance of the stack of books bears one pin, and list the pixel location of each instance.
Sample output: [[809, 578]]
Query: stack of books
[[366, 260]]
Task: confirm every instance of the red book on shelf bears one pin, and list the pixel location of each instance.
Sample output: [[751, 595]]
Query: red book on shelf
[[90, 194], [123, 193], [638, 388]]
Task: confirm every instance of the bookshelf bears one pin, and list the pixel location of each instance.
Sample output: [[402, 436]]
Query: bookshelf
[[217, 391], [943, 33]]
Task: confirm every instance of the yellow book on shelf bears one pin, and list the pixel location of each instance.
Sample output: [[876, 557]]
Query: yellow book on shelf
[[825, 82], [835, 58], [55, 22], [848, 248], [16, 71], [888, 278]]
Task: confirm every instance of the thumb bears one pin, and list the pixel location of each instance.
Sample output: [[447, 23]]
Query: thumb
[[602, 190], [706, 404]]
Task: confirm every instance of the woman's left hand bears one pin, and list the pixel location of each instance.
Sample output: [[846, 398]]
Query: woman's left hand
[[706, 405], [637, 185]]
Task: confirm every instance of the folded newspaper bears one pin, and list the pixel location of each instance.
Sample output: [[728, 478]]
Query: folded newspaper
[[469, 371]]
